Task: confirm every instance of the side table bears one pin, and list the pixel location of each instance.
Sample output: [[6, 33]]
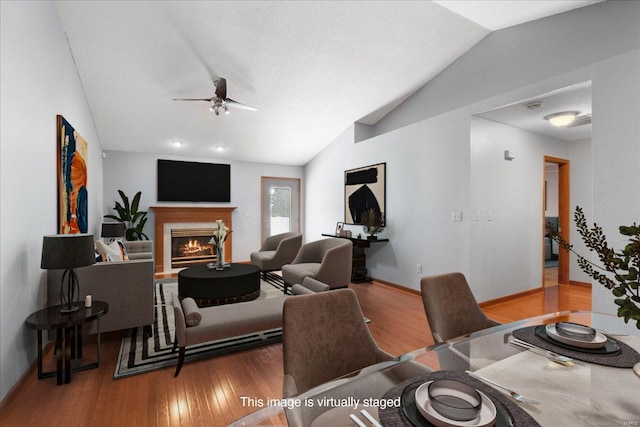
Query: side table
[[71, 323]]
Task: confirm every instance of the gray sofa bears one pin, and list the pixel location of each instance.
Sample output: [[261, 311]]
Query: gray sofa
[[326, 260], [127, 286], [139, 249]]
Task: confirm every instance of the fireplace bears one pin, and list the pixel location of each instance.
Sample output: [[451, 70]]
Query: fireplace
[[168, 218], [191, 246]]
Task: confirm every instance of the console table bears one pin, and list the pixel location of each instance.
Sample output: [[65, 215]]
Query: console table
[[51, 318], [359, 260]]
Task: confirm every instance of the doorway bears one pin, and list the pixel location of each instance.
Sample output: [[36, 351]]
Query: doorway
[[556, 199], [280, 205]]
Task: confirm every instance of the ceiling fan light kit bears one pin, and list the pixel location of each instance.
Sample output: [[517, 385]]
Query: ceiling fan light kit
[[220, 101], [219, 106]]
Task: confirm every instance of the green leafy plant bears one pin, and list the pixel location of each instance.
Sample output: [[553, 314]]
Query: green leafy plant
[[619, 269], [133, 219]]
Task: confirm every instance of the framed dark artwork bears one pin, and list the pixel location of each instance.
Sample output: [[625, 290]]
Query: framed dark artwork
[[72, 150], [364, 189]]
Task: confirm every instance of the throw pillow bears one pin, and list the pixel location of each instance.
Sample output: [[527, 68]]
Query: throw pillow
[[192, 314], [123, 250], [102, 251]]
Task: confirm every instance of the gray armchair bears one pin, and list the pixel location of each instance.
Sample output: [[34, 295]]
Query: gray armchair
[[326, 260], [309, 286], [277, 251]]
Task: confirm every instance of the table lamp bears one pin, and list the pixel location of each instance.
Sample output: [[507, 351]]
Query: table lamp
[[68, 251], [112, 230]]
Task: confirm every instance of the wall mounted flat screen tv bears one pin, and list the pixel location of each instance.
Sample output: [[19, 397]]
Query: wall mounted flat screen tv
[[180, 181]]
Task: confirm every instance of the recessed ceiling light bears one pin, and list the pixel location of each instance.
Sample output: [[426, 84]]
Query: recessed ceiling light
[[562, 119], [219, 148], [177, 143]]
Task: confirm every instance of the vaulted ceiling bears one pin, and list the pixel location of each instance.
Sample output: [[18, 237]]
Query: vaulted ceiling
[[311, 68]]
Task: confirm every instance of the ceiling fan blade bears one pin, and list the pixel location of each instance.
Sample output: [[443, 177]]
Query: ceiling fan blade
[[235, 104], [221, 88], [193, 99]]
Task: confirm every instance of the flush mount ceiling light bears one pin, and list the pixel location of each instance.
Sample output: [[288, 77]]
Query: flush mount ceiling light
[[564, 118]]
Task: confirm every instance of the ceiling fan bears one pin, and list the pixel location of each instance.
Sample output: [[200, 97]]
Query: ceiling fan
[[220, 100]]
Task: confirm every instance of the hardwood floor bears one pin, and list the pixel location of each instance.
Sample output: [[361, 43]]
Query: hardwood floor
[[551, 276], [209, 392]]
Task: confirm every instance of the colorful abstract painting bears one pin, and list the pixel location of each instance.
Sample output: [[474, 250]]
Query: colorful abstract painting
[[72, 179]]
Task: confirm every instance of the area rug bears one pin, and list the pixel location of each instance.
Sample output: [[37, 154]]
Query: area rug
[[140, 353]]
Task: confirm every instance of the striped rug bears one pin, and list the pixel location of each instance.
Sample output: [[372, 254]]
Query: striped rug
[[140, 353]]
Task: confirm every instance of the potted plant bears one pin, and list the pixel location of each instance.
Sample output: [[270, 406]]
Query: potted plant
[[218, 239], [129, 214], [372, 222], [619, 269]]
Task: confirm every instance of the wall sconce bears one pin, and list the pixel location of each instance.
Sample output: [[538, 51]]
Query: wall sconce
[[508, 155]]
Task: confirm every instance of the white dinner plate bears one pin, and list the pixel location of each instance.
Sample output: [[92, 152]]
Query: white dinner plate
[[487, 417], [599, 341]]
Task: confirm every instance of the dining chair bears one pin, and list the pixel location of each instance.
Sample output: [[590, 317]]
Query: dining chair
[[325, 337], [451, 308]]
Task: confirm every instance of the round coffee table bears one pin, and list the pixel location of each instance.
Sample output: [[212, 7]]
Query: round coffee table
[[236, 283]]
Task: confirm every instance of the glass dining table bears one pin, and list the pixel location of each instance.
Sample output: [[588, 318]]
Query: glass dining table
[[597, 387]]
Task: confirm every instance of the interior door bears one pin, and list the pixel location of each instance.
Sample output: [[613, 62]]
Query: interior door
[[563, 209], [280, 205]]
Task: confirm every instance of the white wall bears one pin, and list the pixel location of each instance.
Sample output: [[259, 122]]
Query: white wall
[[420, 197], [581, 195], [507, 204], [616, 153], [428, 161], [38, 81], [133, 172]]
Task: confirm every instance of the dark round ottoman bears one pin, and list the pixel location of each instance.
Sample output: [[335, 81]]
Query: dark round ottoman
[[237, 283]]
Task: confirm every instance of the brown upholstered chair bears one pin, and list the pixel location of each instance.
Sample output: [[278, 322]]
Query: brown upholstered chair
[[451, 308], [277, 251], [325, 337], [326, 260]]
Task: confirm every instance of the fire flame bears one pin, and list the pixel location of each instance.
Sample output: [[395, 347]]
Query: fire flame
[[195, 247]]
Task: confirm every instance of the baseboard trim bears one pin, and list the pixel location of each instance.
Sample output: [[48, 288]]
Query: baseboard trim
[[582, 284], [396, 286], [506, 298], [30, 374]]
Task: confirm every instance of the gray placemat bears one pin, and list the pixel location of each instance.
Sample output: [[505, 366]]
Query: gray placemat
[[625, 358], [394, 416]]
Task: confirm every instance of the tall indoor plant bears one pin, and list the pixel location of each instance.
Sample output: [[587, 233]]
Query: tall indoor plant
[[619, 270], [133, 219]]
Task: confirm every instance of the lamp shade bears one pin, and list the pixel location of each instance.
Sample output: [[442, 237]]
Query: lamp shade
[[62, 251], [112, 229]]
